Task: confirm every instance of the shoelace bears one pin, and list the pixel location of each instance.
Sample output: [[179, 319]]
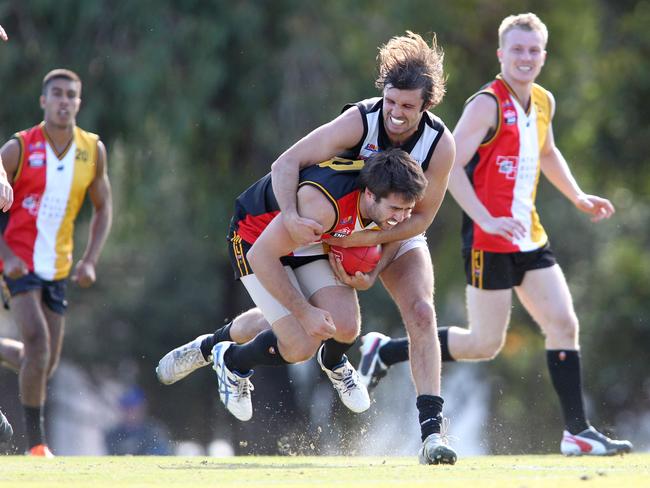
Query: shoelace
[[345, 380], [445, 436], [244, 387]]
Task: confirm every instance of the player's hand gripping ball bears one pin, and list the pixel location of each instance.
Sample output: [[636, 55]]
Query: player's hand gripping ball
[[355, 259]]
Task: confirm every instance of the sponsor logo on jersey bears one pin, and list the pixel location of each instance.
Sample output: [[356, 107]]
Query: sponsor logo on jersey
[[31, 203], [508, 166], [371, 147], [35, 146], [510, 117], [36, 160], [345, 231], [346, 220]]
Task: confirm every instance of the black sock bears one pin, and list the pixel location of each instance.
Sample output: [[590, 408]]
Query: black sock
[[333, 353], [430, 414], [34, 426], [564, 368], [443, 337], [395, 351], [261, 351], [220, 335]]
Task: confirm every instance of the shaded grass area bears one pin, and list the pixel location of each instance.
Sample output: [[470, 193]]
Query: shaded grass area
[[340, 472]]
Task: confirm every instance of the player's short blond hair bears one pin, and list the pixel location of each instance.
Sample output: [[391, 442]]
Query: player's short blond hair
[[528, 22]]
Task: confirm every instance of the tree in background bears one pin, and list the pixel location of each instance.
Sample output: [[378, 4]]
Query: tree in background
[[195, 99]]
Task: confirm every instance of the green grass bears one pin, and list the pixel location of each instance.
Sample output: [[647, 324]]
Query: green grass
[[339, 472]]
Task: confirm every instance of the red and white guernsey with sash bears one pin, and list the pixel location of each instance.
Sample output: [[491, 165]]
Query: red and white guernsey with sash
[[49, 190], [505, 169]]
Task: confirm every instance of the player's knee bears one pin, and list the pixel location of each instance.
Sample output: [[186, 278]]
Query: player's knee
[[487, 348], [36, 346], [347, 331], [421, 318], [564, 329], [298, 353]]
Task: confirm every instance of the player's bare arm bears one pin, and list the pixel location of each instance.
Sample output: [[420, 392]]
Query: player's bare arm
[[477, 121], [557, 171], [100, 195], [424, 211], [14, 267], [275, 242], [3, 34], [323, 143], [9, 156]]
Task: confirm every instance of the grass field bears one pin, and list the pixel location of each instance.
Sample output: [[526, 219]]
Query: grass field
[[339, 472]]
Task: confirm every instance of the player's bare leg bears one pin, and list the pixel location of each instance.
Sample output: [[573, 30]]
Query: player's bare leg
[[29, 316], [343, 305], [546, 296], [409, 280], [11, 353]]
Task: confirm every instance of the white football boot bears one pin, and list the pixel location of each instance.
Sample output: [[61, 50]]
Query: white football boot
[[371, 368], [347, 384], [436, 450], [179, 362], [590, 442], [234, 388]]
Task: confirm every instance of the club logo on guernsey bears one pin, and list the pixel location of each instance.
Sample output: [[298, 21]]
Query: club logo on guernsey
[[371, 147], [508, 166], [510, 117], [36, 160]]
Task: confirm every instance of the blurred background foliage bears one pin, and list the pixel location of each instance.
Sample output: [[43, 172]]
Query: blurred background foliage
[[194, 99]]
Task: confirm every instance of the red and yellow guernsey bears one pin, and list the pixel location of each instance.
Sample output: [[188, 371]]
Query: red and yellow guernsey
[[505, 169], [335, 178], [49, 189]]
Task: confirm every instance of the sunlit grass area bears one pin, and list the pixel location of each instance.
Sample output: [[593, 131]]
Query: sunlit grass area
[[340, 472]]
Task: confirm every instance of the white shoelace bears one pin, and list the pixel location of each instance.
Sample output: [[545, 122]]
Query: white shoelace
[[445, 436]]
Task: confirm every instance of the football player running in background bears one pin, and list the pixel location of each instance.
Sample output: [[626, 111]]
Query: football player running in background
[[504, 138], [51, 167]]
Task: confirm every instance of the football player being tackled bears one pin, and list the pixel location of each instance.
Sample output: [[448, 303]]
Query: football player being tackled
[[302, 308]]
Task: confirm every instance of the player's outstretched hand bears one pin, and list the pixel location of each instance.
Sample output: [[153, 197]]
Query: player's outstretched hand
[[3, 34], [84, 274], [599, 208], [360, 281]]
